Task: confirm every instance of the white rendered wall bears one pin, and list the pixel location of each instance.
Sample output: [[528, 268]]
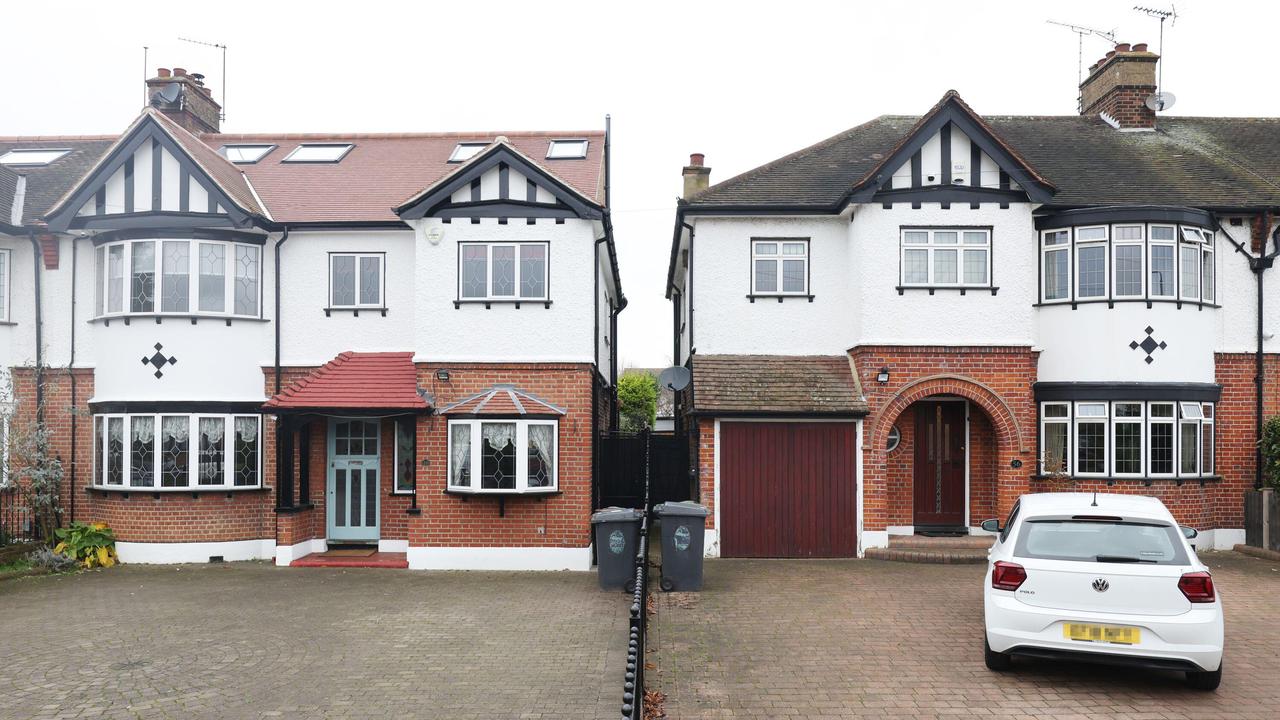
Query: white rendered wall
[[1238, 294], [726, 322], [946, 317], [308, 336], [1091, 343], [502, 333]]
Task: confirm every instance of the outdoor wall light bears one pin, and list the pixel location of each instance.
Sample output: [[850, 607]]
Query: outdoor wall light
[[882, 377], [442, 375]]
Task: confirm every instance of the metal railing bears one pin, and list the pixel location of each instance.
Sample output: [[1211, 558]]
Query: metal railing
[[633, 679], [17, 524]]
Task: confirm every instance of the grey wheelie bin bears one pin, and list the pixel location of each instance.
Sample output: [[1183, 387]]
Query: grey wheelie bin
[[683, 526], [617, 531]]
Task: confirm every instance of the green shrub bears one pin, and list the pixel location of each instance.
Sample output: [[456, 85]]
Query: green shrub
[[637, 400], [1271, 452], [92, 545]]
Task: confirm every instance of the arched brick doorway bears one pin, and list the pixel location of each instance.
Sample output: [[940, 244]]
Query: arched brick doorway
[[960, 456]]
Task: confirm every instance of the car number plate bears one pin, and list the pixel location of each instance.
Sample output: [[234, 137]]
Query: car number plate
[[1116, 635]]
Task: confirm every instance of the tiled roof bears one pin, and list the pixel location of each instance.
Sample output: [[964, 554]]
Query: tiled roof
[[356, 380], [47, 183], [502, 400], [382, 171], [1189, 161], [8, 192], [223, 172], [776, 384]]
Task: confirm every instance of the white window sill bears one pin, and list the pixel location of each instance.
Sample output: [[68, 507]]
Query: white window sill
[[490, 302], [194, 318], [469, 491], [780, 296], [962, 289], [157, 491], [355, 310]]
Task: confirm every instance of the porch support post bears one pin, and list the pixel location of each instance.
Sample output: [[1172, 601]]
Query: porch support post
[[284, 463], [304, 464]]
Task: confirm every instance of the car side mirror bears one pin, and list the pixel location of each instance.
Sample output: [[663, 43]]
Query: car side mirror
[[1190, 533], [991, 526]]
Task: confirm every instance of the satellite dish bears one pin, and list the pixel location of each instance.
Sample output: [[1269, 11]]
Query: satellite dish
[[674, 378], [1161, 101], [167, 95]]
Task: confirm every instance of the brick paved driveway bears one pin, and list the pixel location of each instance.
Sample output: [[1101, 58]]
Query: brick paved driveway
[[839, 639], [248, 640]]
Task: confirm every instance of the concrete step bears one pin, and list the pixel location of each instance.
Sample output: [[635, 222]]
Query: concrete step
[[948, 556], [923, 542]]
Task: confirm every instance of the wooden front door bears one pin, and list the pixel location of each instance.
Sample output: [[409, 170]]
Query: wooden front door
[[352, 498], [788, 489], [940, 465]]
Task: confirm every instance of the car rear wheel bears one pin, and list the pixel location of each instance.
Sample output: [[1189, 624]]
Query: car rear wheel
[[1205, 680], [999, 661]]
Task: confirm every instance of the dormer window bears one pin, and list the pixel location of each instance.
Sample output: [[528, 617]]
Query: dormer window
[[319, 153], [32, 157], [245, 154], [567, 150], [464, 151]]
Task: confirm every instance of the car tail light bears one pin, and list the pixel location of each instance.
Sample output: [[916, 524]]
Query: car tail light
[[1198, 587], [1010, 576]]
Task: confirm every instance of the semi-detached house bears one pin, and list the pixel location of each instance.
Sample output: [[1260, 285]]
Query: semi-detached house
[[904, 327], [255, 346]]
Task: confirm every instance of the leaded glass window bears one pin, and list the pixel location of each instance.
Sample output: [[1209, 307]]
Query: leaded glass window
[[142, 292], [175, 458], [460, 455], [212, 459], [498, 456], [142, 458], [175, 276], [512, 456], [115, 279], [503, 271], [1092, 261], [355, 280], [246, 280], [533, 271], [115, 451], [246, 451], [541, 456], [213, 277], [405, 454], [342, 281]]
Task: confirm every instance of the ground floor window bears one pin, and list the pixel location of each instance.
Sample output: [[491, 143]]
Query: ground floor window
[[1127, 439], [165, 451], [502, 455], [406, 452]]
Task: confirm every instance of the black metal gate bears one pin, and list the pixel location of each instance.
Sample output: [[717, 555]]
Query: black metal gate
[[620, 469]]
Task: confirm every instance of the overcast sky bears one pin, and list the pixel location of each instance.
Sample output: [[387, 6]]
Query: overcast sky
[[742, 82]]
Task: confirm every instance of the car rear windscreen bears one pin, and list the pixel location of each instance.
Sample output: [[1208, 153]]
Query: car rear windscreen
[[1101, 541]]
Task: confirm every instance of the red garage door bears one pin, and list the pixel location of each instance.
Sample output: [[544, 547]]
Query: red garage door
[[788, 489]]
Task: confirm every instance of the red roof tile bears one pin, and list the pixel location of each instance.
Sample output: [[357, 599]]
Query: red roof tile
[[502, 400], [367, 381]]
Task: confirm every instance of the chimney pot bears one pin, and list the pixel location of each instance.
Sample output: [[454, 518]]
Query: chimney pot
[[1140, 47], [1122, 47], [696, 159], [162, 72], [179, 72], [1110, 54], [696, 175], [198, 112]]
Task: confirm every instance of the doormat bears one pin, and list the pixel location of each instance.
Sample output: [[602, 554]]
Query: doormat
[[349, 552]]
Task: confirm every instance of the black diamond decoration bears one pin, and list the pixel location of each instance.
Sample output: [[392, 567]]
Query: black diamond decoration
[[159, 360], [1148, 345]]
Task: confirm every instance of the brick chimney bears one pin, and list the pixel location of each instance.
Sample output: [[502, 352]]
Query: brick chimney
[[696, 175], [185, 99], [1118, 86]]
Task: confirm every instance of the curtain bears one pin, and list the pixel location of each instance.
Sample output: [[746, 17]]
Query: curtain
[[460, 456], [541, 450], [498, 435]]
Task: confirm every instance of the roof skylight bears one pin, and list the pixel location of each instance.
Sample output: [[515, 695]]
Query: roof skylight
[[32, 156], [567, 149], [318, 153], [467, 150], [245, 153]]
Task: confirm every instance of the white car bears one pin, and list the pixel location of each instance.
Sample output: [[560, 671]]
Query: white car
[[1101, 578]]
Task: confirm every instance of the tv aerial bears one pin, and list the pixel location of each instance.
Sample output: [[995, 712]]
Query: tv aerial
[[1081, 31], [1160, 100]]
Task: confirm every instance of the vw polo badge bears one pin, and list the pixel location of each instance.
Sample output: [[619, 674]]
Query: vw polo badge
[[1101, 585]]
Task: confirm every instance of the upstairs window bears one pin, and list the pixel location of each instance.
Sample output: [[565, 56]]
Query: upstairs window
[[1091, 261], [567, 149], [245, 154], [32, 157], [956, 257], [780, 267], [318, 153], [355, 280], [1057, 264], [464, 151], [1127, 262], [181, 277], [503, 271]]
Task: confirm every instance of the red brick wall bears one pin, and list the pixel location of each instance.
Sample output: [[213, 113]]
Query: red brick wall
[[58, 415], [705, 437], [998, 382], [899, 474], [983, 471], [1235, 429], [561, 520]]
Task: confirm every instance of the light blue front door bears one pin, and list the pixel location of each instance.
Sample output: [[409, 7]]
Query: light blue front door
[[352, 499]]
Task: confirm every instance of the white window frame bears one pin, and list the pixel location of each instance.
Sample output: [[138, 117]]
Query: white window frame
[[1190, 414], [6, 284], [356, 286], [1066, 422], [518, 279], [263, 150], [1141, 244], [1102, 420], [1151, 245], [296, 155], [102, 307], [1080, 246], [1206, 255], [1045, 251], [15, 156], [778, 258], [931, 247], [1185, 247], [1116, 422], [1172, 422], [464, 151], [101, 423], [522, 455], [1207, 426], [553, 155]]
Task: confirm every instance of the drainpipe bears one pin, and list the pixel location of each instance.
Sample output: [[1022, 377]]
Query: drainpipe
[[283, 238], [71, 375], [36, 259], [689, 286]]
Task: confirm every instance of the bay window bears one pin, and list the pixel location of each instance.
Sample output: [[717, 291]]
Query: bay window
[[502, 456], [1127, 440], [1162, 246], [503, 271], [161, 455], [1127, 250], [1091, 261], [1057, 265], [958, 257], [163, 276], [779, 267], [1131, 261]]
